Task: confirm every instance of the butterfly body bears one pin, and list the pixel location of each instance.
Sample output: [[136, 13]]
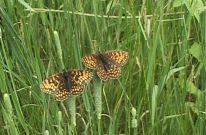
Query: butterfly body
[[62, 85], [107, 64], [103, 61], [67, 81]]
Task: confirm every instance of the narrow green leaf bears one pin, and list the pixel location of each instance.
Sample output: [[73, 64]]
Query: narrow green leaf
[[26, 5]]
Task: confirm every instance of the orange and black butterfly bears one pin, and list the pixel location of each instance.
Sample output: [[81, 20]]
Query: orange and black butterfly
[[107, 64], [69, 82]]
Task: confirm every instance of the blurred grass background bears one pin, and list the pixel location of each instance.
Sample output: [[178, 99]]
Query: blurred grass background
[[161, 90]]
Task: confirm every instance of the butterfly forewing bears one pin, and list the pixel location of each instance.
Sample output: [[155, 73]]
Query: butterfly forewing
[[51, 84], [119, 58], [79, 77], [67, 83], [90, 61]]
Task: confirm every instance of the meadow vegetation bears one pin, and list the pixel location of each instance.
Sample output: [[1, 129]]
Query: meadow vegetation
[[161, 89]]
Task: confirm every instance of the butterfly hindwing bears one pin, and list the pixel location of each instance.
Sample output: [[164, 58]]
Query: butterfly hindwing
[[61, 94], [114, 72], [102, 73]]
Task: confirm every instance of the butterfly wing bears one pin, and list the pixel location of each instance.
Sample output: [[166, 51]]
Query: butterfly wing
[[118, 58], [102, 73], [78, 79], [61, 94], [51, 84], [114, 72], [90, 61]]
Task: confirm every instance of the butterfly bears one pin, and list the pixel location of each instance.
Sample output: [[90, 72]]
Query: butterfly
[[67, 83], [107, 64]]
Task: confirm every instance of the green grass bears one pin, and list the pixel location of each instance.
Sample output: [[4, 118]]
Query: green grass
[[166, 67]]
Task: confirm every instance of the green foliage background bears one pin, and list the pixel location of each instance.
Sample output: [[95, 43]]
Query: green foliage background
[[161, 90]]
